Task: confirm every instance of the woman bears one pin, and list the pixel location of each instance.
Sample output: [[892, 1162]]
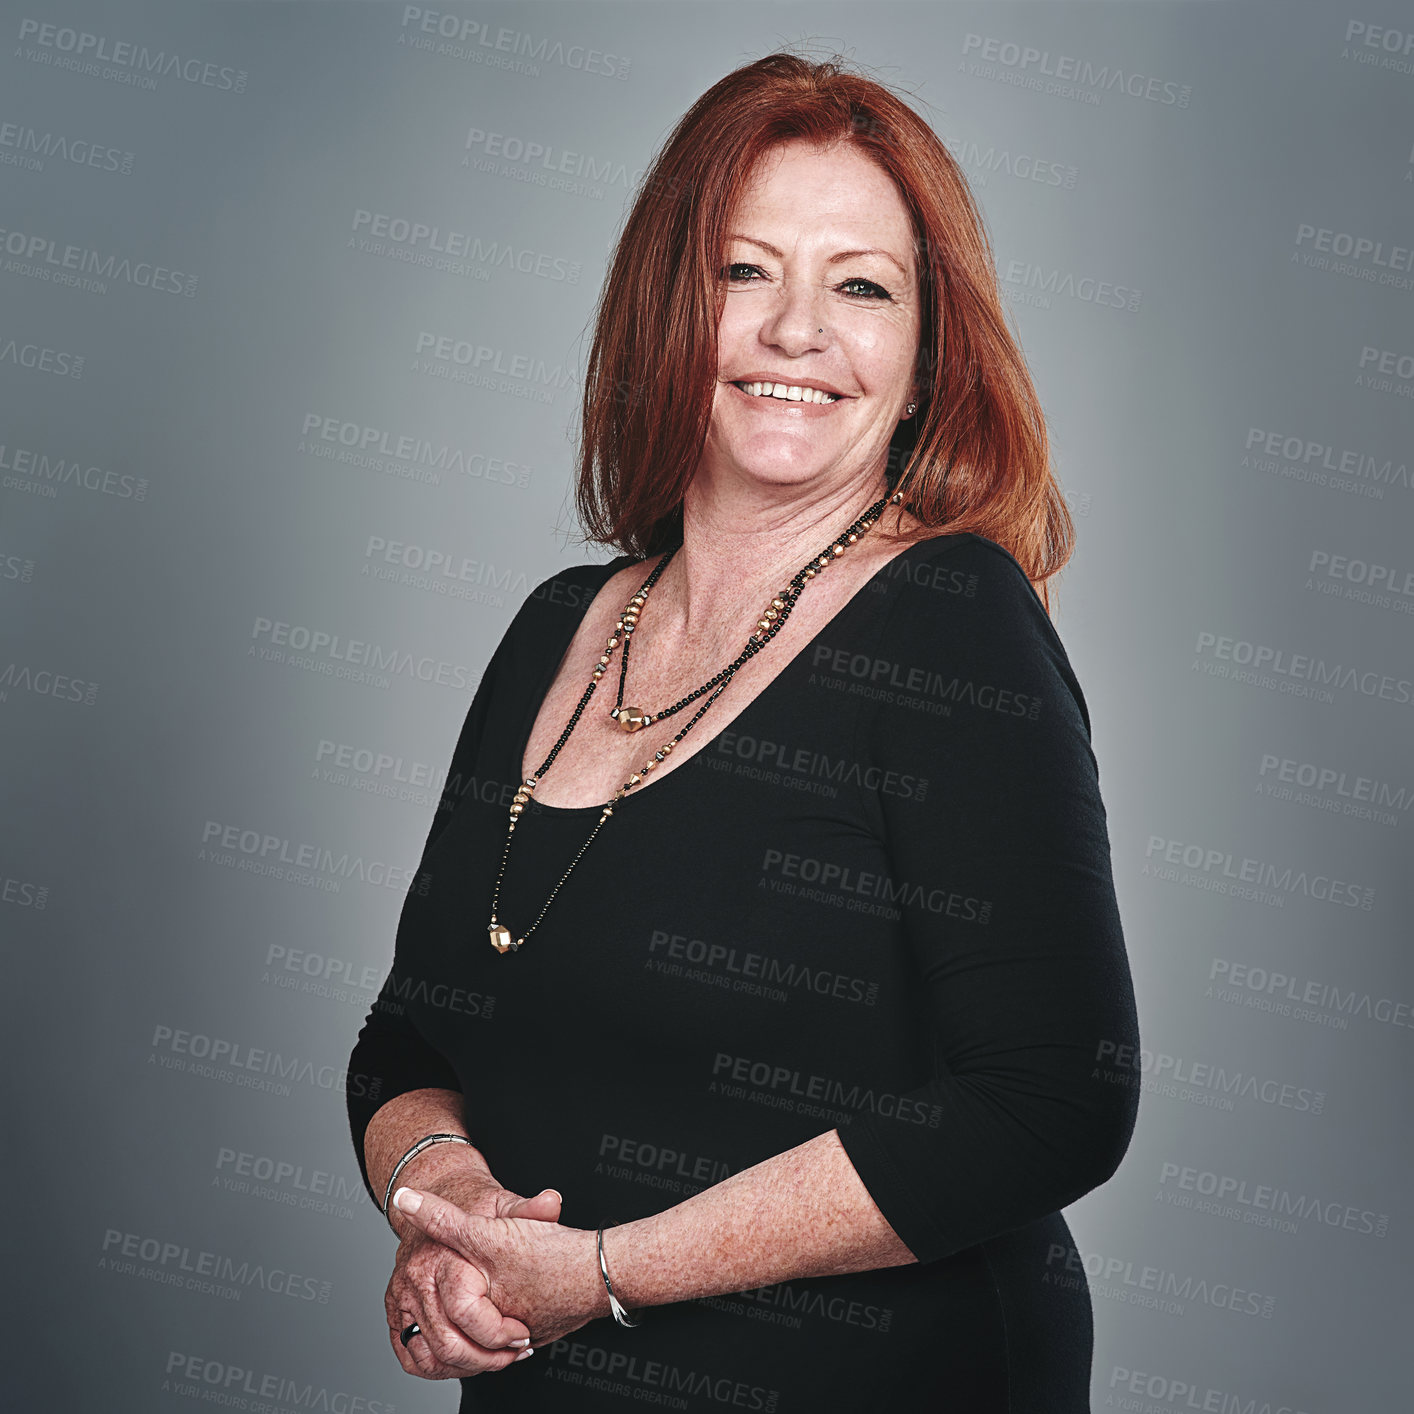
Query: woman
[[795, 968]]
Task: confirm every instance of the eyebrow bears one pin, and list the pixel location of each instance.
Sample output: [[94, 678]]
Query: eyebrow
[[833, 260]]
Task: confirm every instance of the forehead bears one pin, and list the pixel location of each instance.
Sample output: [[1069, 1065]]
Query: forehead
[[800, 185]]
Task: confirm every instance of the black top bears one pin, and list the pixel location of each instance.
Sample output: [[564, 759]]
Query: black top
[[879, 901]]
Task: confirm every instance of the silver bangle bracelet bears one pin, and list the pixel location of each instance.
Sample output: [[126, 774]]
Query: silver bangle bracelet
[[424, 1143], [619, 1314]]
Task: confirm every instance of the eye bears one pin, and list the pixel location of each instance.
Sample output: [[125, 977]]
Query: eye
[[872, 291], [862, 288]]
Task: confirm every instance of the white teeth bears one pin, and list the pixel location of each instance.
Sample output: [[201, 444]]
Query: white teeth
[[788, 392]]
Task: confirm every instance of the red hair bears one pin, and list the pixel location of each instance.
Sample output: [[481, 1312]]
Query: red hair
[[976, 455]]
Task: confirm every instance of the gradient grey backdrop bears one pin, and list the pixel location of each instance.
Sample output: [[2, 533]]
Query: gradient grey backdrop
[[293, 309]]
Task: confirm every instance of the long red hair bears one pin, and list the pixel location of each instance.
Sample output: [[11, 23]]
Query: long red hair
[[976, 455]]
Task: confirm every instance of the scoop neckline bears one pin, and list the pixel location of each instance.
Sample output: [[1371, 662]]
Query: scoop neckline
[[648, 787]]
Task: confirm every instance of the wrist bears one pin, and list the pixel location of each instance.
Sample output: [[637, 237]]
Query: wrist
[[618, 1247], [596, 1294], [456, 1172]]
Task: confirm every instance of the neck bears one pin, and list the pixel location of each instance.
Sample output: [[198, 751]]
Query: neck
[[743, 543]]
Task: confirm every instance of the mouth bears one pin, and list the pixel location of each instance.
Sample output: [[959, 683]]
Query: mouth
[[800, 395]]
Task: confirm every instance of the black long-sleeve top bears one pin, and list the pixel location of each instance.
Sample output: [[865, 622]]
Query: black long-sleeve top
[[880, 901]]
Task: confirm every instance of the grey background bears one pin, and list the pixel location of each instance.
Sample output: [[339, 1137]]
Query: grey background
[[179, 487]]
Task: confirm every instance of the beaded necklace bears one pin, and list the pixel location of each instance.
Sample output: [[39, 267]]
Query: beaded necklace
[[633, 719]]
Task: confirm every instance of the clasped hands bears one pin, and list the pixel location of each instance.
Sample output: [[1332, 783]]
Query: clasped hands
[[487, 1280]]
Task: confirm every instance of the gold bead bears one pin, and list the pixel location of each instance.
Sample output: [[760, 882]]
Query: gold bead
[[852, 537], [516, 809], [763, 623], [778, 602]]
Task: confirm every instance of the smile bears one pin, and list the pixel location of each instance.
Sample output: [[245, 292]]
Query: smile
[[788, 393]]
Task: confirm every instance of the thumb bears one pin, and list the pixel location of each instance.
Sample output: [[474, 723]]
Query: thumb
[[437, 1218], [544, 1206]]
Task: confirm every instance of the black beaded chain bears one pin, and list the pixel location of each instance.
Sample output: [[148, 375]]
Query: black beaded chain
[[631, 719]]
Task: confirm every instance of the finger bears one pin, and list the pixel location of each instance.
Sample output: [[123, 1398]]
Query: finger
[[544, 1206], [437, 1218], [456, 1350], [462, 1295], [415, 1356]]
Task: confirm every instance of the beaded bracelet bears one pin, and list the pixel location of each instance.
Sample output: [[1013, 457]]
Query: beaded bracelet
[[424, 1143]]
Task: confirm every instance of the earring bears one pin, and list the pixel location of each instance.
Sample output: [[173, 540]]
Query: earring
[[911, 408]]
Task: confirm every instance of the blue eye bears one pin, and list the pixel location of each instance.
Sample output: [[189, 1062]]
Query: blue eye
[[878, 291], [870, 291]]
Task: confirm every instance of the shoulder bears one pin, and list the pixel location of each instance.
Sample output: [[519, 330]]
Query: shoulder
[[967, 601], [566, 594]]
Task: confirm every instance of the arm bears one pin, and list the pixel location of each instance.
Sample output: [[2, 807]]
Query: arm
[[391, 1057], [390, 1053], [1021, 1006]]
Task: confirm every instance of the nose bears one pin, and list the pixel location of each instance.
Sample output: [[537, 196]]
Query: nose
[[795, 322]]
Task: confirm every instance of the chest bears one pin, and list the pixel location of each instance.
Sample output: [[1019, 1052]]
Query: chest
[[676, 681]]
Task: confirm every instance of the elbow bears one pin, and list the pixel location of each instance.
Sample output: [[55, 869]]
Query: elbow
[[1100, 1139]]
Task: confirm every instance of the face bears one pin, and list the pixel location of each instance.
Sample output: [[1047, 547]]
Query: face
[[821, 240]]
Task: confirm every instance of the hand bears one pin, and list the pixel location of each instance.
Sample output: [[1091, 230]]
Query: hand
[[540, 1274], [430, 1281]]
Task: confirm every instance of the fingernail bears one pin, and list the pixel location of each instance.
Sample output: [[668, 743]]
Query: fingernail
[[555, 1191], [516, 1344], [407, 1200], [529, 1350]]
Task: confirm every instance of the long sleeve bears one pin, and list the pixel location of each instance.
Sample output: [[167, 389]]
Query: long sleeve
[[1023, 975], [390, 1050]]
